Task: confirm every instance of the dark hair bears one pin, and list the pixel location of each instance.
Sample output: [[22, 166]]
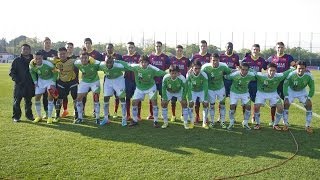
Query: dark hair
[[203, 42], [26, 45], [274, 65], [215, 55], [62, 49], [256, 45], [174, 68], [230, 43], [159, 42], [144, 58], [131, 43], [300, 62], [70, 43], [110, 44], [179, 46], [280, 43], [38, 53], [87, 39], [196, 63], [84, 53], [244, 64], [47, 39]]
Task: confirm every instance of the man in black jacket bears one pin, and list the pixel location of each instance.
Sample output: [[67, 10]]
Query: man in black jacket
[[23, 87]]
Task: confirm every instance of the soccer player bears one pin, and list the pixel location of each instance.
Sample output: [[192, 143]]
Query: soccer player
[[215, 72], [283, 62], [183, 63], [110, 52], [295, 87], [174, 85], [67, 81], [239, 91], [46, 52], [204, 57], [44, 77], [90, 81], [144, 74], [113, 82], [197, 81], [24, 87], [161, 61], [131, 58], [267, 84]]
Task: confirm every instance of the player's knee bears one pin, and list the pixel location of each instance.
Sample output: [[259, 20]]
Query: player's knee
[[96, 97], [183, 103], [308, 104], [106, 98], [191, 104], [164, 104]]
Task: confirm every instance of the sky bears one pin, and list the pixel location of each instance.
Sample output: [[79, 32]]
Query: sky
[[243, 22]]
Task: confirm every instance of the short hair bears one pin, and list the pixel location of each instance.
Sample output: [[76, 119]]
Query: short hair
[[110, 44], [87, 39], [244, 64], [274, 65], [38, 53], [179, 46], [203, 42], [131, 43], [70, 43], [84, 53], [26, 45], [144, 58], [256, 45], [47, 39], [174, 68], [62, 49], [159, 42], [215, 55], [280, 43], [300, 62], [229, 43], [196, 63]]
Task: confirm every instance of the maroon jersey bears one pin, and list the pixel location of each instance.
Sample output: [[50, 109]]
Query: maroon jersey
[[131, 59], [232, 61], [257, 64], [183, 63], [282, 62], [202, 58], [96, 55], [162, 62]]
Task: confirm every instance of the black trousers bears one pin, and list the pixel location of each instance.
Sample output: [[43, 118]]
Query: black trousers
[[17, 109]]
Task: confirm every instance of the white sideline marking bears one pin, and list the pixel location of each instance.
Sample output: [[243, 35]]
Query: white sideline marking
[[302, 108]]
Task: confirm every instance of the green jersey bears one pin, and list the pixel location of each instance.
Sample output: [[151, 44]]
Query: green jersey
[[45, 71], [215, 75], [116, 71], [267, 84], [144, 78], [89, 71], [197, 83], [174, 86], [298, 83], [240, 83]]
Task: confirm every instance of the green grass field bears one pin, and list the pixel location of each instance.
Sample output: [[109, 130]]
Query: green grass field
[[66, 150]]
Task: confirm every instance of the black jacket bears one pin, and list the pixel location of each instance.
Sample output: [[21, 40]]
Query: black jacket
[[20, 74]]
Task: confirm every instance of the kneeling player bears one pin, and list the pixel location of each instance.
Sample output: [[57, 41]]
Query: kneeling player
[[174, 85]]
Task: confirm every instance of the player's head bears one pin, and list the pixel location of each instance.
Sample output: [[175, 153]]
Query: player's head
[[255, 50], [109, 48], [144, 61], [301, 67], [174, 71], [62, 53], [25, 49], [179, 50], [229, 48], [70, 47], [47, 43], [109, 61], [196, 66], [131, 48], [215, 59], [244, 68], [158, 47], [38, 57], [87, 43], [272, 69], [280, 48], [84, 57], [203, 46]]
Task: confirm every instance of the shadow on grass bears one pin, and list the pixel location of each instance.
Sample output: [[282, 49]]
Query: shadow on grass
[[238, 142]]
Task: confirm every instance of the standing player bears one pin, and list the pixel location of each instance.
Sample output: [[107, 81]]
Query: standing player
[[183, 63], [215, 72], [44, 77], [283, 62], [90, 81], [204, 57], [144, 74], [161, 61], [131, 58], [267, 90], [174, 85], [46, 52], [239, 91], [295, 87], [197, 89], [113, 82]]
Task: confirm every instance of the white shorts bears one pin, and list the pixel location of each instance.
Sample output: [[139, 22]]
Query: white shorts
[[85, 87], [140, 94], [43, 85], [178, 95], [217, 94], [301, 95], [234, 97], [262, 97], [117, 85], [195, 95]]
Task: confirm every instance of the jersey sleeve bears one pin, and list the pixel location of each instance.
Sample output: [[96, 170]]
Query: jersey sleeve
[[285, 86], [32, 70], [311, 86], [205, 86]]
